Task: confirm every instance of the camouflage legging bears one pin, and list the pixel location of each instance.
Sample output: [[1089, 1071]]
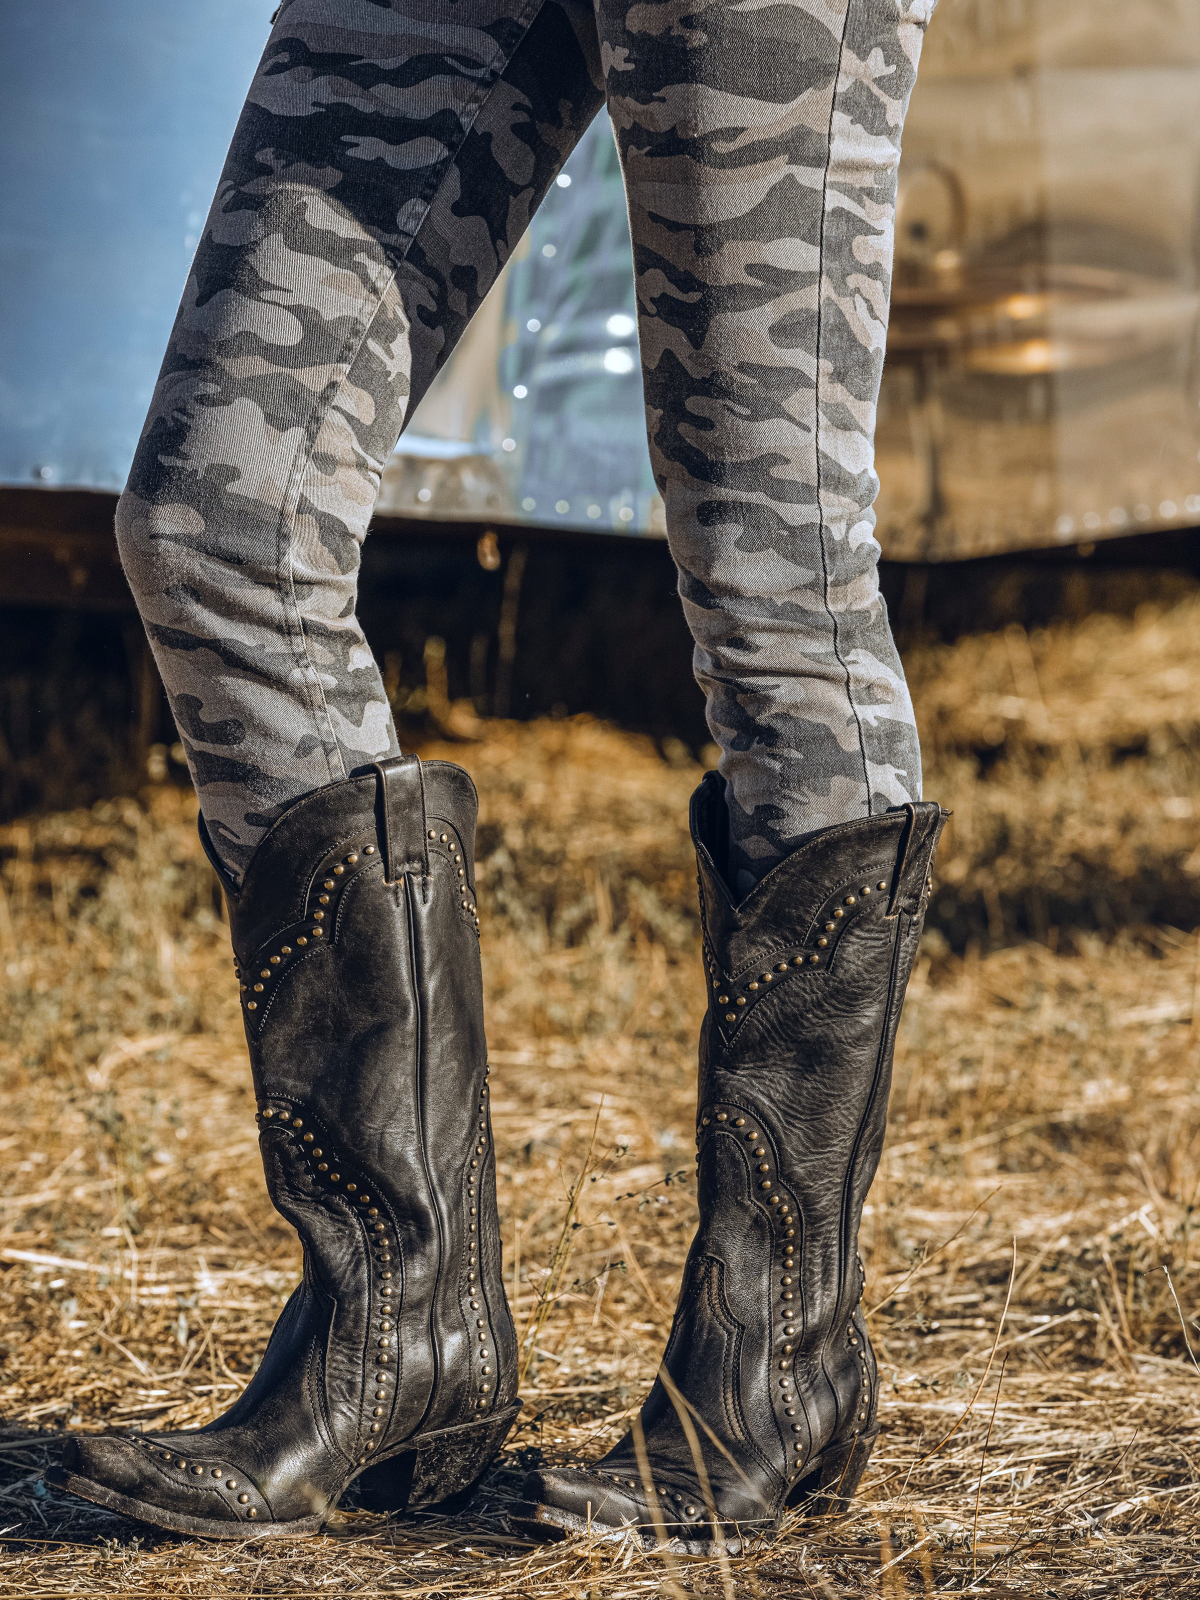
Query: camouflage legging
[[388, 159]]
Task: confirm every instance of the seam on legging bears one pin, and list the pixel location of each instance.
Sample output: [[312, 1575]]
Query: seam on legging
[[837, 651], [287, 516], [345, 361]]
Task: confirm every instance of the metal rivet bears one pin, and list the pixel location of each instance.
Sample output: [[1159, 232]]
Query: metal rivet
[[318, 916], [741, 1000], [218, 1472], [849, 900], [258, 988], [352, 859], [370, 850], [722, 1116], [317, 933], [838, 912], [297, 1122], [316, 1151], [433, 833], [197, 1471], [722, 999], [329, 884], [753, 986], [301, 940], [864, 890], [323, 900], [286, 950], [338, 872], [813, 961], [882, 884], [308, 1138], [739, 1122], [782, 967], [251, 1005], [731, 1016], [765, 1184], [265, 973], [445, 837], [822, 942], [763, 1167], [268, 1114], [244, 1499], [274, 961], [335, 1177], [232, 1483]]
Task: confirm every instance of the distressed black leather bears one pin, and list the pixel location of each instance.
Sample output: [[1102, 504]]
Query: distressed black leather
[[357, 948], [768, 1361]]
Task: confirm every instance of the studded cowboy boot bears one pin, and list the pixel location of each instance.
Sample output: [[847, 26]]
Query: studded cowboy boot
[[394, 1362], [767, 1396]]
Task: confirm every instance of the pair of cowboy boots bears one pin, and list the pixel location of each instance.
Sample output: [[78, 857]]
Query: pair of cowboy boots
[[394, 1364]]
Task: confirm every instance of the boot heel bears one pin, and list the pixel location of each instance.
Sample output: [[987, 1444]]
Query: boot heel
[[831, 1485], [437, 1469]]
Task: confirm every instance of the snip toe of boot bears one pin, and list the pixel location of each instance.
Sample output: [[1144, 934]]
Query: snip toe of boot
[[142, 1478], [110, 1460], [558, 1502], [555, 1503]]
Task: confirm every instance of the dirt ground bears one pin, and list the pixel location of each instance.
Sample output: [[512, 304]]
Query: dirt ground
[[1032, 1274]]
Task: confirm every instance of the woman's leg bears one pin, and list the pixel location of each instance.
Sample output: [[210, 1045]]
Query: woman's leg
[[385, 166], [760, 145]]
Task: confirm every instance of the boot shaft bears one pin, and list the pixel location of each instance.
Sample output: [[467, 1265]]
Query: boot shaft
[[356, 939], [806, 983]]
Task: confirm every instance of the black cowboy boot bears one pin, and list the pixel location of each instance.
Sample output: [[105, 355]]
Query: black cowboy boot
[[768, 1394], [394, 1362]]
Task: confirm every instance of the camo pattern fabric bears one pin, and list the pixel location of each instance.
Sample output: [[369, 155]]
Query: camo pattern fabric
[[389, 157]]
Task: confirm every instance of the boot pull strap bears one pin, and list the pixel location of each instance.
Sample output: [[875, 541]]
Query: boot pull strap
[[922, 823], [404, 828], [906, 833]]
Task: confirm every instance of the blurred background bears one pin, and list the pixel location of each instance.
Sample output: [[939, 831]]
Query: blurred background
[[1038, 432]]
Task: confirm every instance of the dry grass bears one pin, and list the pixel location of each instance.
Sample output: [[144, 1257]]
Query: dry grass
[[1045, 1112]]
